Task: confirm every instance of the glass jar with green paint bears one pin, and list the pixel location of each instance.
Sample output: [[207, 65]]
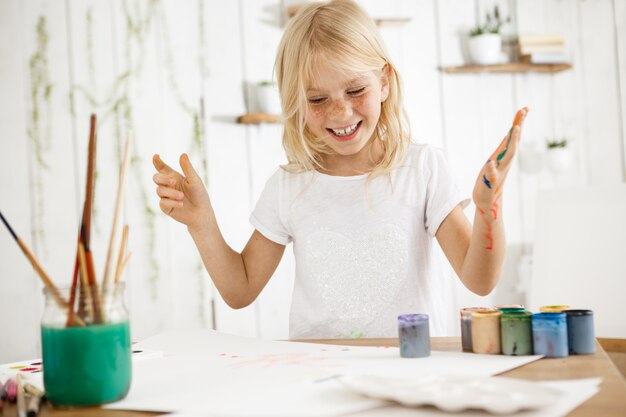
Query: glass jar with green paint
[[517, 334], [87, 353]]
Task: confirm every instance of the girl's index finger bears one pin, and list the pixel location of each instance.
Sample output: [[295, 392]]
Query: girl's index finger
[[188, 169]]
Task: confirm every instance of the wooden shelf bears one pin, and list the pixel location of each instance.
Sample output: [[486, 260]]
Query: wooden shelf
[[384, 21], [507, 68], [257, 118], [391, 21]]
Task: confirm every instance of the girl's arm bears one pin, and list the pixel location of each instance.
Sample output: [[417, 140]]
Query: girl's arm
[[239, 277], [477, 253]]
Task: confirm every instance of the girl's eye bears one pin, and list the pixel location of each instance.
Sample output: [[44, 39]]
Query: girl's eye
[[356, 92], [317, 100]]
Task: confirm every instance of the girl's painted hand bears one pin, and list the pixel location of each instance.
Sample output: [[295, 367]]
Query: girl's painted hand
[[488, 188], [183, 197]]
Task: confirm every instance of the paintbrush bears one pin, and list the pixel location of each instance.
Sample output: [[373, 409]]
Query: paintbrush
[[70, 312], [37, 267], [21, 402], [123, 268], [120, 256], [85, 226], [87, 304], [108, 270], [85, 234]]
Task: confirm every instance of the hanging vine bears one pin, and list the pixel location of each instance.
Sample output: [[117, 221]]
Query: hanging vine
[[40, 135]]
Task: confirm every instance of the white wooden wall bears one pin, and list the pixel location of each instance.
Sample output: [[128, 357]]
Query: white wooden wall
[[146, 66]]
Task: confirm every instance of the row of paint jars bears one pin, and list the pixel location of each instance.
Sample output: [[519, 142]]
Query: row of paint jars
[[556, 331]]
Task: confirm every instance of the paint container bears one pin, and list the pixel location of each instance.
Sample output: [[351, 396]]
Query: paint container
[[580, 332], [11, 390], [466, 327], [550, 334], [553, 309], [486, 331], [510, 308], [517, 334], [414, 335], [86, 365]]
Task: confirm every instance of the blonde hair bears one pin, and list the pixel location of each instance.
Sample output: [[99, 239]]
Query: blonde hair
[[343, 33]]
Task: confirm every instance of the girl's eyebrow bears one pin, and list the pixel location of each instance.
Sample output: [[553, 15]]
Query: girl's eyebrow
[[349, 83]]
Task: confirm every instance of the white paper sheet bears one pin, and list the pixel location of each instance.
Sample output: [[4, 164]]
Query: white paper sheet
[[219, 374]]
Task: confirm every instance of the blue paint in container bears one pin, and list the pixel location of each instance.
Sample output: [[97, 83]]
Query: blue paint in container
[[414, 333], [550, 334], [580, 333]]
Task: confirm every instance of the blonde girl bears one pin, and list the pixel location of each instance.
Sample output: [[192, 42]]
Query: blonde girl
[[360, 203]]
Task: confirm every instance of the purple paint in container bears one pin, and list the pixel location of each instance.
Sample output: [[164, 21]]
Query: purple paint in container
[[414, 333], [580, 334], [550, 334]]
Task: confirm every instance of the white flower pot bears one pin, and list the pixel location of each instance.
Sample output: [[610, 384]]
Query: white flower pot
[[268, 99], [485, 49], [558, 159]]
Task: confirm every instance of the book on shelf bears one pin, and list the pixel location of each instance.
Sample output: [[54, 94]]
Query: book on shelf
[[544, 58], [546, 48]]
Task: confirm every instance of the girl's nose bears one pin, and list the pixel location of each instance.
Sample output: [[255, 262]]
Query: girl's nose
[[340, 109]]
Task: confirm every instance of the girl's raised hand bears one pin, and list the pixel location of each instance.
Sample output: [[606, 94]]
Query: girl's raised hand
[[488, 188], [183, 197]]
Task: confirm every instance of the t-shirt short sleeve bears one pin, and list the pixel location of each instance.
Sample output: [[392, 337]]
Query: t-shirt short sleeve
[[266, 216], [443, 194]]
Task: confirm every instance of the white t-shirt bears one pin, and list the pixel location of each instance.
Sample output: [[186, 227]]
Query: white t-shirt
[[363, 250]]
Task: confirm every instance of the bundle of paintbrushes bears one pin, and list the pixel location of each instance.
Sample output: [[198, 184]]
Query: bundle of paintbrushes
[[93, 296]]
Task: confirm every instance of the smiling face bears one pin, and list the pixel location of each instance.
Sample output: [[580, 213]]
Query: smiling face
[[343, 111]]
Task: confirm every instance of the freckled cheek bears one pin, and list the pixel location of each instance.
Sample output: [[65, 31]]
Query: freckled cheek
[[365, 104], [318, 112], [315, 115]]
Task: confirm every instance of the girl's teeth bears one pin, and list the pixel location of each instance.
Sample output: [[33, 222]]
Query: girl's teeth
[[345, 132]]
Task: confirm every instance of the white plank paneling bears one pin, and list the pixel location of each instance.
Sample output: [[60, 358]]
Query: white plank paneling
[[601, 91], [18, 283], [420, 74], [620, 26]]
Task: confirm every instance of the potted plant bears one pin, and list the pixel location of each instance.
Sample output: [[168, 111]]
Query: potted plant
[[485, 42], [558, 155], [267, 97]]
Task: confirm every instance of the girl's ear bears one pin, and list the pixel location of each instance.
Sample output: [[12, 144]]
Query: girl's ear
[[384, 82]]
